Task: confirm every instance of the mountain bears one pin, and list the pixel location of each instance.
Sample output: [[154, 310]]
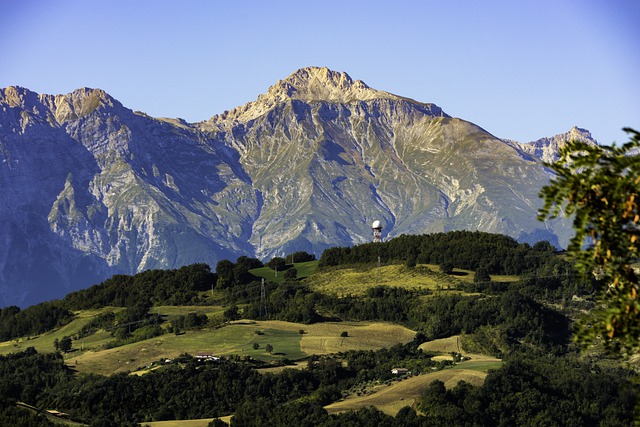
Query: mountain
[[90, 188], [546, 149]]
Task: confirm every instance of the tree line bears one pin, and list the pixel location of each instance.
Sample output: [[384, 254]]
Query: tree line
[[470, 250], [138, 292]]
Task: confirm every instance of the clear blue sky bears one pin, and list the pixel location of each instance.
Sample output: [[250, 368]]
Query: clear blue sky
[[520, 69]]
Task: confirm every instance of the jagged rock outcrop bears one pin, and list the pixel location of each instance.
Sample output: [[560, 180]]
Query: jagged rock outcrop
[[89, 188], [546, 149]]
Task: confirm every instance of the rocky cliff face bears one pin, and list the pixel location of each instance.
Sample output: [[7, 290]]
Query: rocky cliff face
[[546, 149], [89, 188]]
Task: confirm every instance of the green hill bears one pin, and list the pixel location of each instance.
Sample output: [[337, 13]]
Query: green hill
[[182, 344]]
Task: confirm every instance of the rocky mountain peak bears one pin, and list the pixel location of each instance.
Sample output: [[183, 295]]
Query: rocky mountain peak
[[17, 97], [322, 84], [546, 149], [578, 134], [78, 103], [315, 83], [37, 108], [307, 84]]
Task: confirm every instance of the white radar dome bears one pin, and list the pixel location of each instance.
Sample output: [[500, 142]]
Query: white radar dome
[[376, 224]]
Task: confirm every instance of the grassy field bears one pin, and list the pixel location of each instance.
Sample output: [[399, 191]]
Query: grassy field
[[304, 269], [478, 362], [44, 343], [324, 338], [390, 399], [90, 355], [444, 345], [356, 281], [58, 421], [239, 338], [172, 312]]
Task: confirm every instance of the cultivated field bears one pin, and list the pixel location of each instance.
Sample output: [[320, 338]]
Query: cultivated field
[[356, 281], [239, 338], [444, 345], [324, 338], [390, 399], [480, 362]]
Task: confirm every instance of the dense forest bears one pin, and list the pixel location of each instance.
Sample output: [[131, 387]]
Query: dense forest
[[530, 389], [496, 253], [526, 321]]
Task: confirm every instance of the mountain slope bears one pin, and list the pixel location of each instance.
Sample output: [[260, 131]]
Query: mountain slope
[[546, 149], [90, 188], [350, 161]]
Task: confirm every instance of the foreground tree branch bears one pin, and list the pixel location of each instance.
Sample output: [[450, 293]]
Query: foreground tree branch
[[599, 186]]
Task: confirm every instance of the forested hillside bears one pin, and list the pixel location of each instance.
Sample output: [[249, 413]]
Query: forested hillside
[[503, 298]]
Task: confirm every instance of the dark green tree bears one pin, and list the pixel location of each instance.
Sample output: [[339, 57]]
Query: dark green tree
[[277, 263], [232, 313], [446, 267], [291, 273], [65, 344], [300, 256], [224, 270], [482, 275]]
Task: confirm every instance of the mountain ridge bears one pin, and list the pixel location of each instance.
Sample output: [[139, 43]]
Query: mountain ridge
[[312, 84], [546, 149], [92, 188]]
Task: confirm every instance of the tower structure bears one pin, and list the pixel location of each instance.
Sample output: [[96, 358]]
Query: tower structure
[[377, 231]]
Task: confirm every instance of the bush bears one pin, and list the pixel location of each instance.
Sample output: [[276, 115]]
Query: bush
[[446, 267], [291, 273], [232, 313], [482, 275], [65, 344]]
